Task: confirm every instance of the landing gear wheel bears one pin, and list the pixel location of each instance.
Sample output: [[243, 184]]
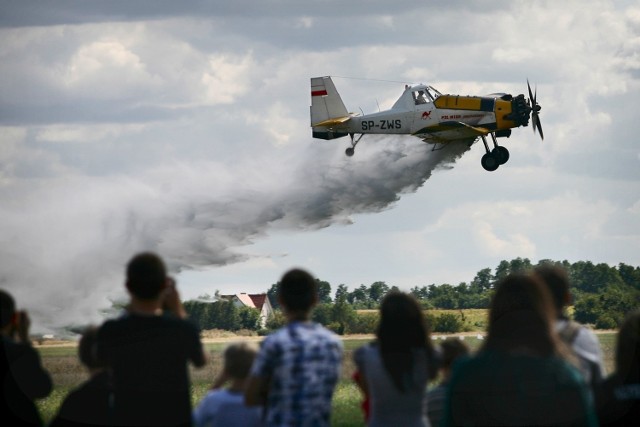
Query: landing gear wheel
[[349, 151], [490, 162], [501, 154]]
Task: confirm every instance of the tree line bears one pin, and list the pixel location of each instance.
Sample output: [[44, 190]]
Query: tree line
[[603, 295]]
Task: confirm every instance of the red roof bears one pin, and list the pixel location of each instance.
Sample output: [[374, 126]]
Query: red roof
[[258, 300]]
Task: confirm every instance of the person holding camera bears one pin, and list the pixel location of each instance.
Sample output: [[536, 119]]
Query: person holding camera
[[148, 349], [22, 376]]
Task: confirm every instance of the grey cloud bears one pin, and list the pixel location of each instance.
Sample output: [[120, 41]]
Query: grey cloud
[[20, 13]]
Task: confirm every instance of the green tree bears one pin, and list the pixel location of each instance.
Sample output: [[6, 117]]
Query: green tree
[[322, 313], [342, 292], [359, 297], [377, 291], [276, 321], [343, 314], [249, 318], [517, 265], [420, 293], [229, 319], [610, 306], [324, 291], [482, 282], [196, 311], [443, 296], [272, 294], [630, 275], [590, 278]]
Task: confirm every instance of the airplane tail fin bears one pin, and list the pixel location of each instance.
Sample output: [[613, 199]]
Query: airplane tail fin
[[327, 108]]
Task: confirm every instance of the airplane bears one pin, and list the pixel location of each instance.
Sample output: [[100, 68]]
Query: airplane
[[424, 112]]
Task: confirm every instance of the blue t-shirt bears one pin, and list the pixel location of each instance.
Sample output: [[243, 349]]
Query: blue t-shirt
[[226, 408]]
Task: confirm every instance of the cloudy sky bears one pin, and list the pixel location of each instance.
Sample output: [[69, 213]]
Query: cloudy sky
[[183, 128]]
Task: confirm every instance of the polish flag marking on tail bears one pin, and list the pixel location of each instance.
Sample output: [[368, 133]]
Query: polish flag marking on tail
[[322, 92]]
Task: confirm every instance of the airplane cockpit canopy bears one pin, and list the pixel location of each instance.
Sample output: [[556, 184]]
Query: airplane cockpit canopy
[[423, 94]]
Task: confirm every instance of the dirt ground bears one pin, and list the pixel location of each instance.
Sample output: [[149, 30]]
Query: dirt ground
[[217, 336]]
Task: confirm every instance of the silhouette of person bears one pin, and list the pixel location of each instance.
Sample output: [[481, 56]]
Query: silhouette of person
[[582, 341], [148, 349], [618, 397], [22, 376], [88, 404], [521, 375], [395, 369], [298, 366], [450, 350]]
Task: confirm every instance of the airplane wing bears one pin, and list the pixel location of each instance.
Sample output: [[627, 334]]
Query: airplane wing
[[451, 131]]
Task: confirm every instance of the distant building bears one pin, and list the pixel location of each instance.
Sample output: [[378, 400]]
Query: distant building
[[257, 301]]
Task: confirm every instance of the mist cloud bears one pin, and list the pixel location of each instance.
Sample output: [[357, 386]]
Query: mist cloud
[[64, 246]]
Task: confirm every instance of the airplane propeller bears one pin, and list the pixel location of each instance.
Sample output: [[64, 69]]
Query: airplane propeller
[[535, 111]]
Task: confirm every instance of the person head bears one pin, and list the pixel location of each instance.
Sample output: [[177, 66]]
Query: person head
[[7, 309], [297, 292], [557, 281], [87, 349], [450, 350], [521, 316], [628, 348], [146, 276], [402, 330], [238, 358]]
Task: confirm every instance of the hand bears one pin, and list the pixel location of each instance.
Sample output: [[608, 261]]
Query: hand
[[171, 299], [23, 323]]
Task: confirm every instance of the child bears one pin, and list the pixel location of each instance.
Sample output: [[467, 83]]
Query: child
[[225, 407], [87, 404], [450, 350], [297, 368]]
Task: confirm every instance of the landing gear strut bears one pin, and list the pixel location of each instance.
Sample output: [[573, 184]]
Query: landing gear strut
[[351, 150], [493, 158]]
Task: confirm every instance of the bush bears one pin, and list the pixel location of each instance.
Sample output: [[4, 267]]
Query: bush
[[447, 322], [364, 323], [276, 321], [606, 321], [336, 327]]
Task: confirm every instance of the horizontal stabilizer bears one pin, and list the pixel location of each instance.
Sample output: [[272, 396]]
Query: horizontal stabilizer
[[331, 122]]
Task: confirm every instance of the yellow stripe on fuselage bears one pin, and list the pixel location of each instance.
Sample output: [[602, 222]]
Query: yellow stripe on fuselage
[[455, 102]]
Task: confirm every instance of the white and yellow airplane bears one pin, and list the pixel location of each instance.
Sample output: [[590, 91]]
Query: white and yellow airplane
[[424, 112]]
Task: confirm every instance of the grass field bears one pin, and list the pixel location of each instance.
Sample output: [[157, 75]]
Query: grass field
[[473, 319], [66, 371]]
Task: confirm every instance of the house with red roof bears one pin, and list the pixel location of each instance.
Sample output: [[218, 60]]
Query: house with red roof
[[258, 301]]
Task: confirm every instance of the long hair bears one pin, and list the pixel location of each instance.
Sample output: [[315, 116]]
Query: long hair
[[403, 330], [628, 349], [521, 317]]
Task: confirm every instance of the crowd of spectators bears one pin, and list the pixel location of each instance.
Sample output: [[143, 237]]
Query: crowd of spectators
[[534, 367]]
